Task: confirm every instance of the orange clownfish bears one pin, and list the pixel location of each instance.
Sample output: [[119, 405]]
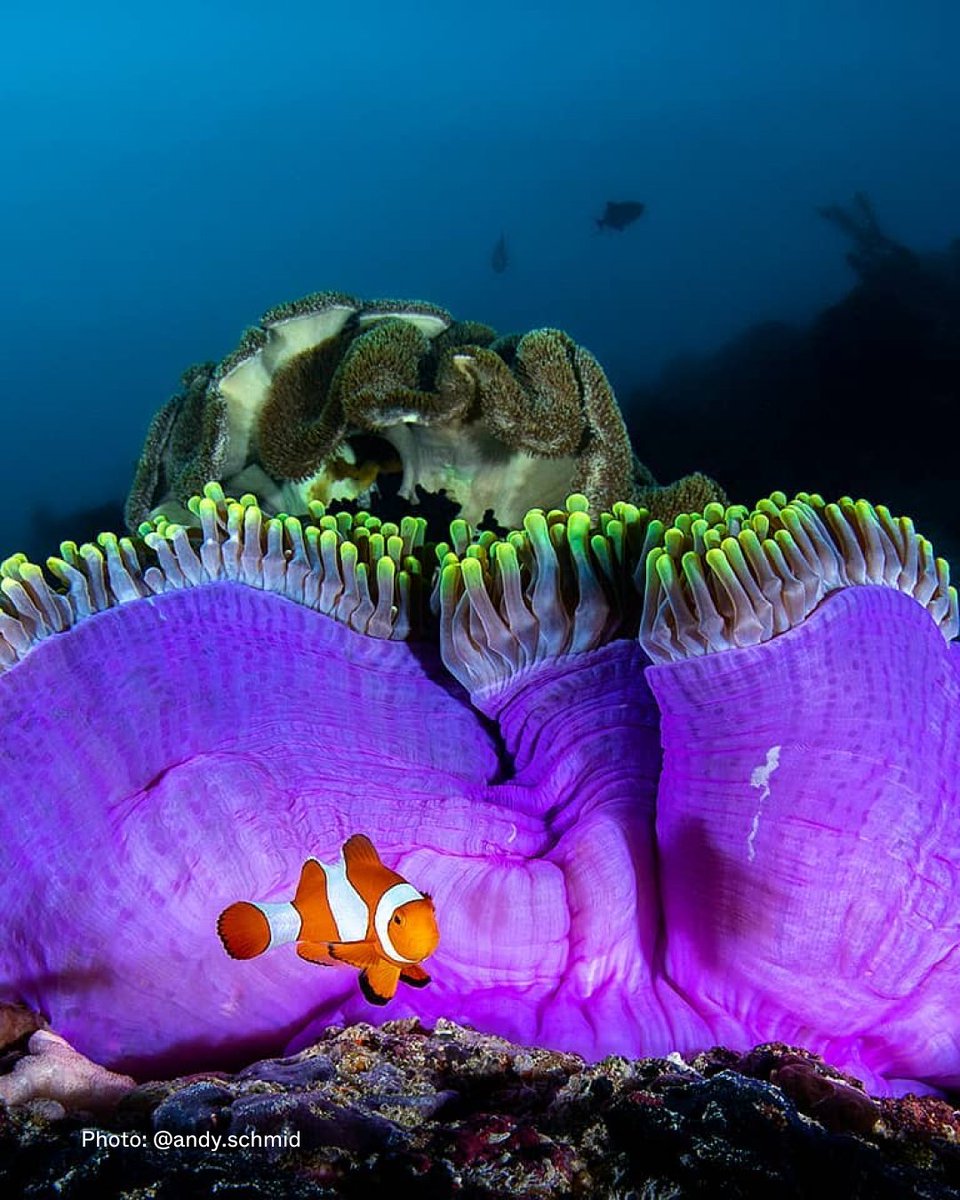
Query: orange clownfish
[[356, 911]]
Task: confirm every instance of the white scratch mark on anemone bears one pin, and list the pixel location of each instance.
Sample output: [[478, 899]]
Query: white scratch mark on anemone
[[760, 778]]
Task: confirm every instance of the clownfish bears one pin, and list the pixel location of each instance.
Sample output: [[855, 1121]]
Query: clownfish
[[355, 911]]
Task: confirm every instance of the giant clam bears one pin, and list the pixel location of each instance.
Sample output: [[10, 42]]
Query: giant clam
[[670, 783]]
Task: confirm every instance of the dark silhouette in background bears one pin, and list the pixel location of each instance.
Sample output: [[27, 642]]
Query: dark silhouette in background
[[499, 259], [861, 402], [619, 214]]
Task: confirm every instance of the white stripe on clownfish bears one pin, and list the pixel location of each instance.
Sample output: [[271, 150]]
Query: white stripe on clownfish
[[389, 902], [283, 919], [347, 906]]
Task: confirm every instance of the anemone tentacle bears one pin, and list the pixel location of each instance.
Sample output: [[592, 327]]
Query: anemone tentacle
[[561, 585], [731, 577], [357, 569]]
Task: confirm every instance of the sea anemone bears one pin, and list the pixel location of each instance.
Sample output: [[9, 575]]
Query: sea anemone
[[668, 784], [328, 395]]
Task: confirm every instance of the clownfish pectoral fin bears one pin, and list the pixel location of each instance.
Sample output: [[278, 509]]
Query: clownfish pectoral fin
[[244, 930], [358, 954], [359, 850], [316, 952], [414, 975], [379, 983]]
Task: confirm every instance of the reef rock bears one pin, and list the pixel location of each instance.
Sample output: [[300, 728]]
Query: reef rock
[[450, 1112]]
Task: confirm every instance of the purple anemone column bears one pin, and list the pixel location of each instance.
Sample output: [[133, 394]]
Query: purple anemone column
[[549, 935], [583, 734], [809, 835]]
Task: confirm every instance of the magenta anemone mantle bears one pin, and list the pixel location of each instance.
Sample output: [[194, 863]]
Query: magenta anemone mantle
[[667, 787]]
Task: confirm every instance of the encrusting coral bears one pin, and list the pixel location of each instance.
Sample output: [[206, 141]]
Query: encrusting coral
[[53, 1070], [691, 494], [669, 783]]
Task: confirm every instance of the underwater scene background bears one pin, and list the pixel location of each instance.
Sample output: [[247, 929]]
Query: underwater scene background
[[172, 172], [481, 493]]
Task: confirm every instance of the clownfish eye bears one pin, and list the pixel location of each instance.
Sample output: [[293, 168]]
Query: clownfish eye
[[397, 920]]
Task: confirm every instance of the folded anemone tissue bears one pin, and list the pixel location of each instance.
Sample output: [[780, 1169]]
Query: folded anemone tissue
[[636, 770]]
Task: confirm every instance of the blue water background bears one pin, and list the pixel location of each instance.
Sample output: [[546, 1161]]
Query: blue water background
[[169, 172]]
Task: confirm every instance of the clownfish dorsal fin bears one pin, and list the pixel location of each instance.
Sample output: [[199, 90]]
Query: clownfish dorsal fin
[[313, 882], [359, 851]]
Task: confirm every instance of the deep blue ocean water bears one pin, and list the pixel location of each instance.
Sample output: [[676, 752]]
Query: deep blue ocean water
[[171, 171]]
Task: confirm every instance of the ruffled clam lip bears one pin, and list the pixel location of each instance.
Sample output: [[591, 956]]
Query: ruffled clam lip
[[808, 831]]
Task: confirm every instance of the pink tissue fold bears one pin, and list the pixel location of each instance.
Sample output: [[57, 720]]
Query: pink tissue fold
[[200, 745], [794, 874]]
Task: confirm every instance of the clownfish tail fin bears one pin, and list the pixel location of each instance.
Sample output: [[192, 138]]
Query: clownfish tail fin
[[244, 930]]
